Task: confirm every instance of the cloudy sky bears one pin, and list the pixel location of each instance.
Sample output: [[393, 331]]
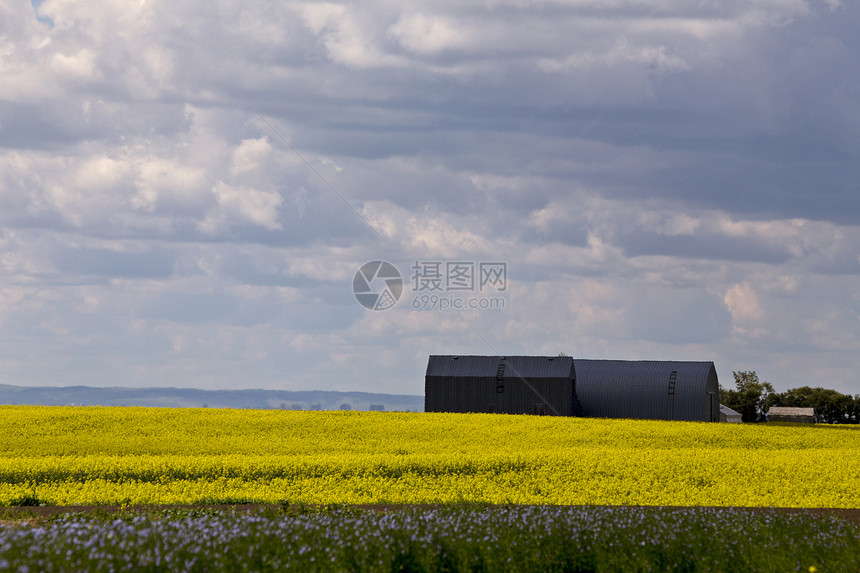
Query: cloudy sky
[[187, 189]]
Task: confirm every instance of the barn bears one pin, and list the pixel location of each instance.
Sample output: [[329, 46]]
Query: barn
[[785, 414], [563, 386], [544, 385], [648, 389]]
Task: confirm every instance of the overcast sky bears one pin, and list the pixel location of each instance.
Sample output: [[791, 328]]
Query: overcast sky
[[187, 189]]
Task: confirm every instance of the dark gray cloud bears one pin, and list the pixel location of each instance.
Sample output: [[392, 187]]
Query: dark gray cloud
[[702, 246], [693, 317], [102, 262]]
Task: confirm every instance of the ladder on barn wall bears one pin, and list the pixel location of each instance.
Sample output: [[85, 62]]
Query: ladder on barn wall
[[500, 377], [673, 378]]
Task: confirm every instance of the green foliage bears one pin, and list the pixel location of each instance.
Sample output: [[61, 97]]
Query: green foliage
[[300, 508], [181, 513], [753, 398], [750, 398], [831, 407], [229, 500], [28, 500]]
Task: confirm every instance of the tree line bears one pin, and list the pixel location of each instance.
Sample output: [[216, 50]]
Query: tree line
[[753, 398]]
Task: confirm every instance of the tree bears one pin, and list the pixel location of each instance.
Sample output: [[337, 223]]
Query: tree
[[750, 398], [831, 407]]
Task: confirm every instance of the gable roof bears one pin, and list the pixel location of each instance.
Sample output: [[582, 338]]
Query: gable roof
[[786, 411]]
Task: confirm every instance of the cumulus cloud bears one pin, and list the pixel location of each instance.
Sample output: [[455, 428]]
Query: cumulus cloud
[[237, 204], [742, 302], [427, 34], [187, 190]]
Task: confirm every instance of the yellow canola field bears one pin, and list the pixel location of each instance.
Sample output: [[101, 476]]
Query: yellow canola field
[[94, 455]]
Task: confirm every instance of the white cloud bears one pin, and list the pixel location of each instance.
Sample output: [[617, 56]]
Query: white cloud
[[164, 182], [243, 204], [428, 34], [249, 156], [319, 15], [93, 191], [80, 66], [348, 35], [665, 180], [672, 224], [623, 51], [743, 304]]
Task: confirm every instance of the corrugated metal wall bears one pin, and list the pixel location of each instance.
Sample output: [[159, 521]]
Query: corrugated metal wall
[[513, 385], [460, 383], [539, 385], [648, 389]]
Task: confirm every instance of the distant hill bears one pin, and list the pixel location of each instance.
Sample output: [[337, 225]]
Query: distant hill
[[193, 398]]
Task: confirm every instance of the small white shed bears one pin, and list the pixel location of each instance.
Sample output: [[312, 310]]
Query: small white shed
[[784, 414], [729, 415]]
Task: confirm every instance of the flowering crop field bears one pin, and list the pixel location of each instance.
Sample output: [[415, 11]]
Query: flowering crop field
[[501, 538], [95, 455]]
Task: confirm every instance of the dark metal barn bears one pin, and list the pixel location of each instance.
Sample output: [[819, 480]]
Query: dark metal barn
[[562, 386], [648, 389], [506, 384]]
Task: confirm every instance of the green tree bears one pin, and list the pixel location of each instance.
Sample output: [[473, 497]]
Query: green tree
[[831, 407], [750, 398]]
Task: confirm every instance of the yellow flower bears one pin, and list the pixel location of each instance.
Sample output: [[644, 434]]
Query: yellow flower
[[75, 455]]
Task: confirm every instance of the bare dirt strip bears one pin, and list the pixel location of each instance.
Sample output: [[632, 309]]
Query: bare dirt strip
[[30, 513]]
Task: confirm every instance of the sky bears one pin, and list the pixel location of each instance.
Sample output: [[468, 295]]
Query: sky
[[189, 189]]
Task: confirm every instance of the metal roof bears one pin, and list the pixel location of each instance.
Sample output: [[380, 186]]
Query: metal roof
[[481, 366], [790, 411], [728, 411], [648, 389], [729, 415]]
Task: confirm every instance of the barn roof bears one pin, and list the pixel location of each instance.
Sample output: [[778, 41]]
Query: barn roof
[[787, 411], [487, 366], [642, 368]]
